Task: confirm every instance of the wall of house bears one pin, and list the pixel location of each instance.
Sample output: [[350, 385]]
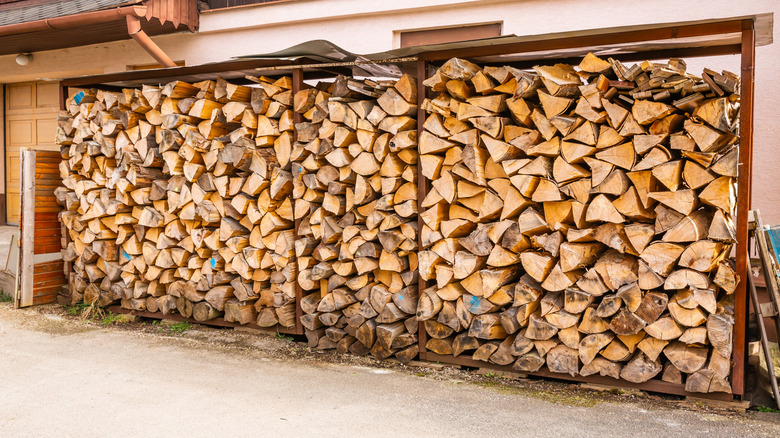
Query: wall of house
[[365, 26], [2, 136]]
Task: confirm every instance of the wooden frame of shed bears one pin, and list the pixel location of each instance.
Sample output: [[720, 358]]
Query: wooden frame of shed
[[733, 36], [744, 45]]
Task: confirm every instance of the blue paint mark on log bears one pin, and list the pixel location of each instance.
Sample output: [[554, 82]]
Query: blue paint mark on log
[[213, 263]]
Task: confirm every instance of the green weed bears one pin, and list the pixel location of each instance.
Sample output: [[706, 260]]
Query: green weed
[[180, 327], [113, 318], [767, 409], [86, 311], [5, 298], [283, 337]]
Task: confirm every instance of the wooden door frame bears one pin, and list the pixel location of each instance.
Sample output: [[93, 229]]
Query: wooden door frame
[[35, 114], [3, 138]]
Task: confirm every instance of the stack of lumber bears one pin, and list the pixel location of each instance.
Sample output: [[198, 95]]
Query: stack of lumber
[[355, 179], [581, 218], [174, 199]]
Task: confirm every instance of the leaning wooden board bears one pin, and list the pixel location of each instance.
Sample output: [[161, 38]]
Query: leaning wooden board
[[41, 268], [579, 219]]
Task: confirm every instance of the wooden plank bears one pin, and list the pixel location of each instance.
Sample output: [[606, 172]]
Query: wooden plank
[[49, 267], [43, 241], [46, 287], [651, 385], [297, 85], [762, 329], [582, 41], [49, 276], [744, 192], [42, 287], [46, 216], [49, 249], [216, 322], [45, 299], [422, 191], [51, 209], [44, 232]]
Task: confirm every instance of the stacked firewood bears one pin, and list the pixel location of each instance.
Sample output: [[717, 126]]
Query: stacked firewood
[[581, 218], [355, 175], [174, 199]]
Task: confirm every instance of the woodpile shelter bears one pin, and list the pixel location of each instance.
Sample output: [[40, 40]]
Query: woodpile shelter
[[566, 205]]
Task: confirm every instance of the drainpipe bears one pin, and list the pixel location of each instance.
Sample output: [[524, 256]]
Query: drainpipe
[[138, 34]]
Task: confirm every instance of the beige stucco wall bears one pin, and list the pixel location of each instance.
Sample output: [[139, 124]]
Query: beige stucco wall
[[365, 26]]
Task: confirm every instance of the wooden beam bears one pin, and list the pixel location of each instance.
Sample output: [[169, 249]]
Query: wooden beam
[[744, 195], [584, 41]]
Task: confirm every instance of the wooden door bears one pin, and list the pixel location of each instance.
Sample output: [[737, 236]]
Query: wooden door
[[41, 271], [31, 121]]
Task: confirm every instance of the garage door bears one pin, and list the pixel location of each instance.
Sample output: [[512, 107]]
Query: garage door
[[31, 121]]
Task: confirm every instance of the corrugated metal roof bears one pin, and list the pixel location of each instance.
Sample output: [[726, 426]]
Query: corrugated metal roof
[[326, 51], [32, 10]]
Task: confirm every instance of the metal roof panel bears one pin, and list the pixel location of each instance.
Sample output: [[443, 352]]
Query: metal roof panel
[[33, 10]]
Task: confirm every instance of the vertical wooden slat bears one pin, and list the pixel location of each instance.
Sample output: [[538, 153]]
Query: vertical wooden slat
[[422, 190], [3, 209], [63, 97], [194, 17], [68, 266], [744, 190], [170, 14], [297, 84], [180, 8], [151, 7], [24, 295]]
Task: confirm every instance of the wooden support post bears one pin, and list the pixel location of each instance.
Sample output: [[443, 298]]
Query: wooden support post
[[744, 184], [422, 190], [68, 266], [297, 84]]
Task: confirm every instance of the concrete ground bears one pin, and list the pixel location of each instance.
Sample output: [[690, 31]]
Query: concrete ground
[[6, 231], [8, 273], [63, 377]]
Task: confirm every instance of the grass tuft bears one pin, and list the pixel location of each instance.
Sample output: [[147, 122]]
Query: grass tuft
[[283, 337], [114, 319], [180, 327], [87, 311]]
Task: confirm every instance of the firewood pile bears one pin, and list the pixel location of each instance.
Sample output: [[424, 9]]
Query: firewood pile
[[580, 218], [174, 199], [355, 188]]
